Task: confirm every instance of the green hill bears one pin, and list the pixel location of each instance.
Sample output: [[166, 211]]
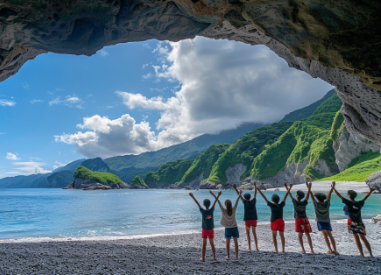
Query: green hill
[[306, 140], [204, 163], [168, 173], [138, 181], [101, 177], [245, 149]]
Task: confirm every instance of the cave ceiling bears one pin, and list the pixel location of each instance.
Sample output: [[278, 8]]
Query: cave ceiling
[[338, 41]]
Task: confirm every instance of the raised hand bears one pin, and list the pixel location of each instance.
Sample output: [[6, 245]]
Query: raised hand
[[219, 193], [210, 191], [255, 184], [290, 185], [240, 192], [371, 189], [309, 186], [334, 184], [285, 185], [235, 186], [191, 194]]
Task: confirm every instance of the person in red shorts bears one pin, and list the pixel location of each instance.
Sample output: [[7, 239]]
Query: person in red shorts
[[207, 225], [277, 222], [250, 215], [302, 224]]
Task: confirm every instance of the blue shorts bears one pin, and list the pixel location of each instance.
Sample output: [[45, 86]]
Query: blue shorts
[[324, 226], [231, 233]]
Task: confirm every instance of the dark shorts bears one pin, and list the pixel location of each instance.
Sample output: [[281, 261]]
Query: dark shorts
[[324, 226], [251, 223], [356, 228], [231, 233]]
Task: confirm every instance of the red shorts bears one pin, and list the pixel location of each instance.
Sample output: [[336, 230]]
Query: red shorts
[[207, 234], [277, 225], [302, 225], [250, 223]]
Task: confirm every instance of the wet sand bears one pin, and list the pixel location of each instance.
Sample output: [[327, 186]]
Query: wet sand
[[180, 254]]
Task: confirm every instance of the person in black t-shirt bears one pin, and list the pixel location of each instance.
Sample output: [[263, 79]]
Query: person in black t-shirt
[[277, 222], [302, 224], [250, 216], [207, 224], [355, 223]]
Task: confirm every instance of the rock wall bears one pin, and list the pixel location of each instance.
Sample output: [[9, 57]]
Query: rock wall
[[196, 182], [374, 180], [233, 174], [349, 146], [339, 43]]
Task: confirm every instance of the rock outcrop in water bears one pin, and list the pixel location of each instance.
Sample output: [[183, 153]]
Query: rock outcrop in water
[[338, 41]]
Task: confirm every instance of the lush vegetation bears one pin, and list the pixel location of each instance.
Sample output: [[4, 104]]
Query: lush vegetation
[[337, 125], [306, 140], [307, 111], [138, 181], [96, 164], [168, 173], [245, 149], [101, 177], [61, 178], [360, 168], [204, 163], [187, 150]]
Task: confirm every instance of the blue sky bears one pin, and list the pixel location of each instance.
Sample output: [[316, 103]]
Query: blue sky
[[138, 97]]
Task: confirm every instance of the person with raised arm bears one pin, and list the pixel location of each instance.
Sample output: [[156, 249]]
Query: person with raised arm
[[229, 221], [322, 205], [250, 216], [277, 222], [207, 231], [355, 223], [302, 224]]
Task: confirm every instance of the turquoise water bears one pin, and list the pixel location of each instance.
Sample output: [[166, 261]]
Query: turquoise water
[[77, 213]]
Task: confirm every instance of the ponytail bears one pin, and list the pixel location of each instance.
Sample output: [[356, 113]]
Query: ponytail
[[229, 207]]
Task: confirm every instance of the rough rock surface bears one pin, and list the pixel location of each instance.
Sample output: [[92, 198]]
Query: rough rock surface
[[173, 186], [196, 182], [349, 146], [247, 186], [374, 180], [97, 186], [219, 186], [208, 185], [233, 174], [292, 173], [69, 186], [337, 41]]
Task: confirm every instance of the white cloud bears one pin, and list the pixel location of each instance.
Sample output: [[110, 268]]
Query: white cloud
[[103, 53], [8, 103], [222, 84], [37, 101], [28, 168], [71, 101], [146, 76], [60, 164], [12, 156]]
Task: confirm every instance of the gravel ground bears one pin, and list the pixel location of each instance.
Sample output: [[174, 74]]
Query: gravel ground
[[180, 254]]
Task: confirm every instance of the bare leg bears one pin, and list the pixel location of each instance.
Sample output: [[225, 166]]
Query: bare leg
[[283, 241], [211, 241], [236, 247], [358, 243], [300, 238], [203, 249], [367, 244], [309, 240], [248, 237], [325, 235], [274, 241], [329, 233], [254, 229], [228, 249]]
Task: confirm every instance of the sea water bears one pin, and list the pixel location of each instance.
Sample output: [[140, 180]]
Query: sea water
[[58, 213]]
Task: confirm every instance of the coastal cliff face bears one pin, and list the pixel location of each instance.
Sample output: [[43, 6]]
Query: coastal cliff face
[[349, 146], [338, 41]]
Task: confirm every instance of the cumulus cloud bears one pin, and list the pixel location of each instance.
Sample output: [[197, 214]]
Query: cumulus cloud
[[11, 156], [8, 103], [222, 84], [111, 137], [29, 167]]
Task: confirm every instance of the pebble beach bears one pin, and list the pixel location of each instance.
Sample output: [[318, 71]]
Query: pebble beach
[[180, 254]]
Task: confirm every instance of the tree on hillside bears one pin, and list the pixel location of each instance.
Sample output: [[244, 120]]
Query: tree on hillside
[[138, 181]]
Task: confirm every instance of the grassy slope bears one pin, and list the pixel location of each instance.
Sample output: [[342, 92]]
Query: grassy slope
[[138, 181], [168, 173], [245, 149], [204, 163], [101, 177], [307, 139]]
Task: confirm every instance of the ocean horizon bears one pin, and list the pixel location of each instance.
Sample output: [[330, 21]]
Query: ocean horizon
[[57, 213]]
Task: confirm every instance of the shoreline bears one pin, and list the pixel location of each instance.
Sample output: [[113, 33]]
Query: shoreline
[[180, 254]]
